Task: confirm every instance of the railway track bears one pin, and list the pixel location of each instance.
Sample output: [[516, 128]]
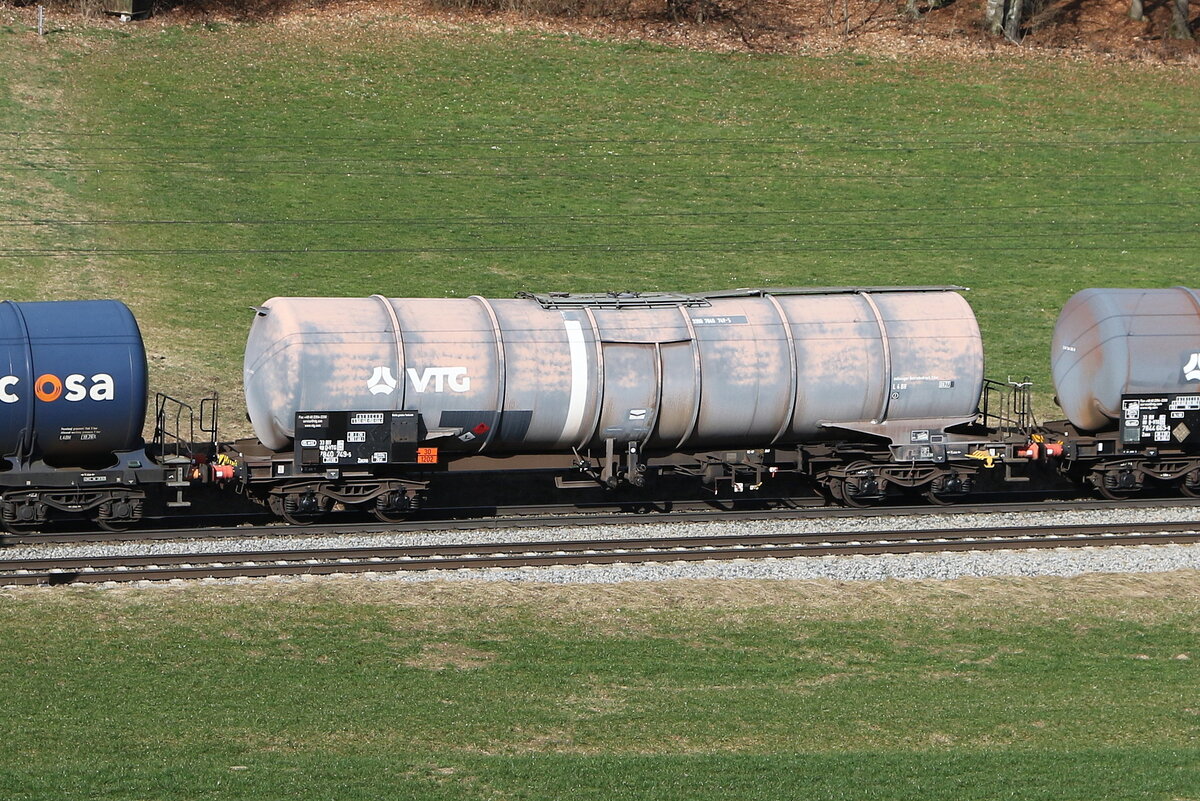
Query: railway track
[[570, 516], [95, 569]]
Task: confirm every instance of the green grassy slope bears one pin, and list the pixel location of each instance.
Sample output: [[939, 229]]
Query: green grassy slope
[[1076, 689], [214, 168]]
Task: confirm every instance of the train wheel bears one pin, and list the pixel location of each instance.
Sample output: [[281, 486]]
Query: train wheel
[[1109, 485], [856, 501], [119, 514], [1189, 485], [23, 528], [862, 487], [1115, 494], [300, 509], [948, 489], [840, 494], [391, 507], [858, 494], [23, 517], [300, 519], [938, 499]]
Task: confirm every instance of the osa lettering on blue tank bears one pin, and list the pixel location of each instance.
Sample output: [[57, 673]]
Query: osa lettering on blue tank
[[49, 388]]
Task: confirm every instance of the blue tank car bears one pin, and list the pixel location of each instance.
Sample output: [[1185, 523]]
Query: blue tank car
[[72, 382], [73, 393]]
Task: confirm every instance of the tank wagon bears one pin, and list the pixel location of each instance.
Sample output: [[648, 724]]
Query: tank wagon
[[73, 395], [865, 390], [1126, 370]]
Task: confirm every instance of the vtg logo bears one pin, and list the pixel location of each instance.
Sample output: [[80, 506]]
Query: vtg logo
[[431, 379], [1191, 370], [381, 382], [455, 378], [49, 388]]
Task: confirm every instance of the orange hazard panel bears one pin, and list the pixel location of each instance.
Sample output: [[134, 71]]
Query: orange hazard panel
[[426, 455]]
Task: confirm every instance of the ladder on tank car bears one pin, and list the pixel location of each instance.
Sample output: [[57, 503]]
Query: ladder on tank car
[[175, 442]]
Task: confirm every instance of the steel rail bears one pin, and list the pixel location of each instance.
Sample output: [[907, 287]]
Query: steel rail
[[65, 570], [570, 516]]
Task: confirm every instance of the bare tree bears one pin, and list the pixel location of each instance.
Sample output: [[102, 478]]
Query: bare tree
[[993, 16], [1012, 20], [1004, 17], [1180, 29]]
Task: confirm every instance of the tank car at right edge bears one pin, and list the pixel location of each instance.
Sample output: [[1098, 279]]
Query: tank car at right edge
[[864, 392], [1126, 371]]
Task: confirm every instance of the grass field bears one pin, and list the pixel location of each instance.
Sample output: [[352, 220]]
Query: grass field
[[195, 171], [1053, 689]]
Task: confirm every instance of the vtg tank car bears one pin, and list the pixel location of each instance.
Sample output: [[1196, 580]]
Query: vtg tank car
[[864, 390]]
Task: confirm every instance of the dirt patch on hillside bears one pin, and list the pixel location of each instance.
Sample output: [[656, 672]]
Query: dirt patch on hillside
[[449, 656]]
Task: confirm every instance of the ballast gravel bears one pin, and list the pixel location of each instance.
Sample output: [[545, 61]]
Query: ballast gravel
[[946, 565]]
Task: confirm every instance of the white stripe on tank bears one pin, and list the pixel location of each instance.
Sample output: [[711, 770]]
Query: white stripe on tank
[[579, 382]]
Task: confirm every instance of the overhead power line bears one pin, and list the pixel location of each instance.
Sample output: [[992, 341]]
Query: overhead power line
[[1062, 241], [224, 135], [880, 216], [790, 173], [792, 148]]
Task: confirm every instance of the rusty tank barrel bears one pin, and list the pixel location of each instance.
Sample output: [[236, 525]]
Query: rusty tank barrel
[[745, 368], [1113, 342]]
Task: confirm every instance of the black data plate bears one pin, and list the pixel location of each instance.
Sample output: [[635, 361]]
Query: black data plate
[[355, 439], [1160, 420]]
